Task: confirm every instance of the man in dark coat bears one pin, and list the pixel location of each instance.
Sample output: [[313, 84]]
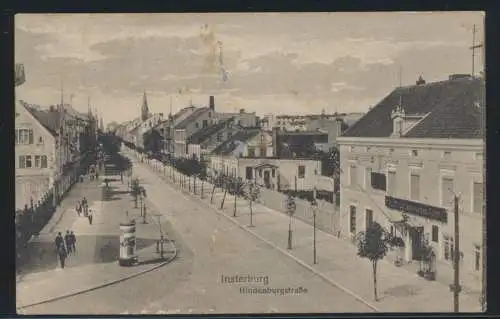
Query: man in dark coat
[[73, 241], [67, 241], [59, 241]]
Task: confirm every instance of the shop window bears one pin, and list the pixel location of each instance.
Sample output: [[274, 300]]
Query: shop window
[[435, 233], [352, 219]]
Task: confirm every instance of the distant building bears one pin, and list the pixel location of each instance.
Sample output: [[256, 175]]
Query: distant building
[[405, 160]]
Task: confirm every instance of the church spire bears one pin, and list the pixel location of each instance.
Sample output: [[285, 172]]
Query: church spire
[[144, 108]]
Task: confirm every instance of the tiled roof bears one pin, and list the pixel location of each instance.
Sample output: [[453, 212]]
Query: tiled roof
[[49, 119], [208, 131], [451, 104], [182, 124], [230, 145]]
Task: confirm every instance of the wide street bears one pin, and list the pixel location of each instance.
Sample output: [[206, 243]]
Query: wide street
[[210, 247]]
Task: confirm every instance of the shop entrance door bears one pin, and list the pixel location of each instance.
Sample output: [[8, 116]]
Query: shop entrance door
[[416, 234]]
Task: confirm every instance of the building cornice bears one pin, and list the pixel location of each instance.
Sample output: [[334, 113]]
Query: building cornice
[[465, 144]]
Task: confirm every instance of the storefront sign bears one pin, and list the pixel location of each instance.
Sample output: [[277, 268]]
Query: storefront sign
[[417, 209]]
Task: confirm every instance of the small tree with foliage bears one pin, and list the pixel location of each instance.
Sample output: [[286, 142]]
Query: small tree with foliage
[[135, 191], [373, 244], [252, 195]]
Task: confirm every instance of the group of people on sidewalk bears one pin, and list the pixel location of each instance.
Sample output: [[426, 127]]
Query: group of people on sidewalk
[[65, 246], [83, 207]]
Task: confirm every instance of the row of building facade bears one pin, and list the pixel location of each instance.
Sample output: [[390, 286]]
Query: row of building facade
[[402, 164], [51, 145]]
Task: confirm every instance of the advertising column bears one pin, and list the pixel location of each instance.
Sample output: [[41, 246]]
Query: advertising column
[[127, 244]]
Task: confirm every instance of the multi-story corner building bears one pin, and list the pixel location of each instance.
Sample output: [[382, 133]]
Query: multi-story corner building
[[50, 146], [404, 162]]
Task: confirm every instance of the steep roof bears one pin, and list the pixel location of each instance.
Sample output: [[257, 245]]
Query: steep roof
[[208, 131], [183, 123], [451, 105], [230, 145], [49, 119]]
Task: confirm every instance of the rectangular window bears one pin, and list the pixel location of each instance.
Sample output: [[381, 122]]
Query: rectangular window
[[251, 152], [352, 219], [197, 125], [263, 151], [446, 155], [478, 197], [477, 258], [391, 183], [368, 218], [414, 153], [219, 137], [435, 233], [248, 172], [378, 181], [273, 172], [37, 161], [24, 136], [447, 192], [449, 248], [260, 172], [22, 161], [229, 135], [368, 177], [44, 161], [301, 171], [415, 186], [353, 175], [205, 123], [29, 163]]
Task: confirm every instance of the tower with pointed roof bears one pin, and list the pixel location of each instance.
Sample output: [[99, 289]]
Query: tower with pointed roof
[[144, 108]]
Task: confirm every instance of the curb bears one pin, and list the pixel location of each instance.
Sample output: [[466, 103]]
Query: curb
[[297, 260], [106, 284]]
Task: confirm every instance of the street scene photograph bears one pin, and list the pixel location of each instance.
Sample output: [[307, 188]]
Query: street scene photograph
[[250, 163]]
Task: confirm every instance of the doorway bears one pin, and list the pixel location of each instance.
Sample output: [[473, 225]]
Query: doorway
[[416, 234], [267, 179]]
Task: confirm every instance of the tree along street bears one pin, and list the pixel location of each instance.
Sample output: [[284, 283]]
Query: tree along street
[[209, 247]]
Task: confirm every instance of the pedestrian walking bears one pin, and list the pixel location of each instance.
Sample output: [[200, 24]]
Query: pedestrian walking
[[78, 208], [62, 255], [121, 176], [73, 241], [85, 206], [59, 241], [67, 241], [90, 217]]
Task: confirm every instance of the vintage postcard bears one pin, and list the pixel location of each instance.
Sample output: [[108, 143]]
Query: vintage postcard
[[227, 163]]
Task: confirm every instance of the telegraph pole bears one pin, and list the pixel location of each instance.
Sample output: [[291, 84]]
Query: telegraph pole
[[456, 259], [474, 47]]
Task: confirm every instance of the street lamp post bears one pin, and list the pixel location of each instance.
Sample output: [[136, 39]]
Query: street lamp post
[[189, 183], [235, 197], [144, 209], [314, 206], [194, 184], [160, 249], [290, 204]]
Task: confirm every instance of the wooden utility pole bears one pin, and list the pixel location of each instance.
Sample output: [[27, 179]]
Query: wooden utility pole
[[456, 260], [474, 47]]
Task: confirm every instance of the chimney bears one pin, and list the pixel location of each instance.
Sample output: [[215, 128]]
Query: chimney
[[276, 147], [420, 81], [212, 103], [338, 121]]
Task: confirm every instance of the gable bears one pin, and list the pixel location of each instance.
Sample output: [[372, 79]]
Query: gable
[[25, 119]]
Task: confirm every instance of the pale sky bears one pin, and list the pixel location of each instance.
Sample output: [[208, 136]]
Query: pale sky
[[291, 63]]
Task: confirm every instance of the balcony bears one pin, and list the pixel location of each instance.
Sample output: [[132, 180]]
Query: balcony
[[417, 209]]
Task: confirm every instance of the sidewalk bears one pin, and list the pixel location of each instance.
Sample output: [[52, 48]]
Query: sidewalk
[[399, 290], [95, 263]]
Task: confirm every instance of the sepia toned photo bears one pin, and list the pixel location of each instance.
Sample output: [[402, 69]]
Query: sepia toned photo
[[253, 163]]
